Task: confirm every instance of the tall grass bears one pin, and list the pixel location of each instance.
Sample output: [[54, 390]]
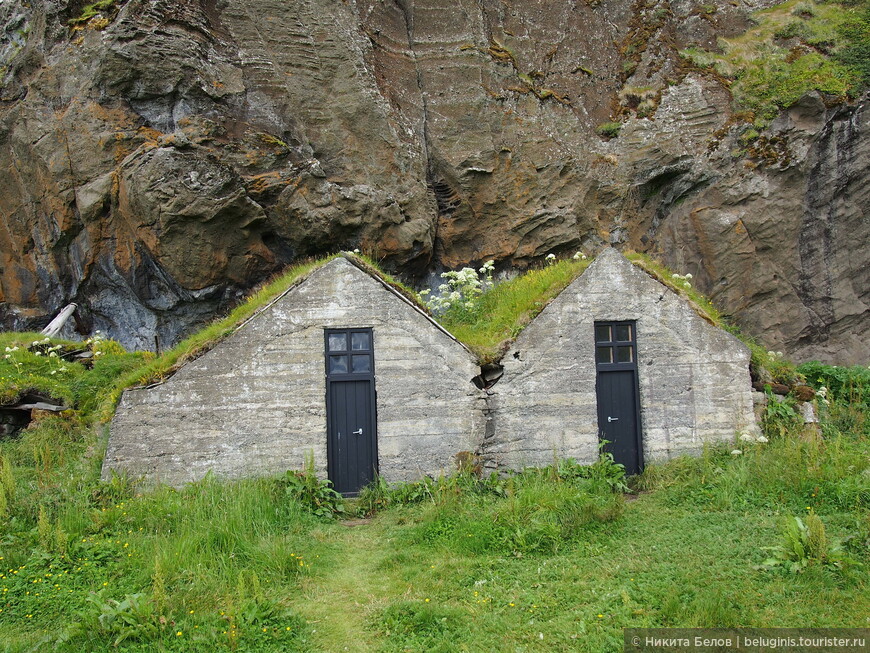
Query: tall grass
[[847, 399], [213, 556], [787, 475]]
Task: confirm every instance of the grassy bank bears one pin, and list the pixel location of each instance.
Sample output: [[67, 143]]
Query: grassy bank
[[550, 560]]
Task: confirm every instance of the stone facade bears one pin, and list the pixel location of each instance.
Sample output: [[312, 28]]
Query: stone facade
[[693, 378], [255, 403]]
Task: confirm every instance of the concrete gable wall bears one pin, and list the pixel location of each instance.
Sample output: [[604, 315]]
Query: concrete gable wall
[[255, 404], [693, 377]]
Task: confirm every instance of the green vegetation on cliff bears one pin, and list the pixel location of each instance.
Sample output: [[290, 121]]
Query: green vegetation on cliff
[[795, 47]]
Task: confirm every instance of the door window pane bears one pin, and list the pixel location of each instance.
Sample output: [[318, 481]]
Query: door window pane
[[624, 354], [362, 363], [338, 364], [338, 342], [604, 354], [602, 333], [359, 341], [623, 332]]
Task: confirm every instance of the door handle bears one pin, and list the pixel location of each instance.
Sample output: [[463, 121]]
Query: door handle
[[612, 419], [358, 432]]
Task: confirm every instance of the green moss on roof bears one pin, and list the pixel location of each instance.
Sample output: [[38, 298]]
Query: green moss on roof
[[702, 305], [504, 310], [202, 341], [501, 313], [207, 338], [32, 363], [766, 363]]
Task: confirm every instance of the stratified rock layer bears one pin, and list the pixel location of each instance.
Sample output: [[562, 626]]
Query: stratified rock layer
[[163, 157]]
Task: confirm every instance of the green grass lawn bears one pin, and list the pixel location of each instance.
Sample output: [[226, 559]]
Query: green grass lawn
[[466, 565]]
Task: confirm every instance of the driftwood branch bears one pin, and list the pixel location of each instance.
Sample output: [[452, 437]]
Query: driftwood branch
[[57, 323]]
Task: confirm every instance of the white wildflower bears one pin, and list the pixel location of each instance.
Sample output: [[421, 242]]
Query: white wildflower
[[356, 251], [37, 353], [736, 452], [761, 439], [746, 437], [688, 275], [53, 354]]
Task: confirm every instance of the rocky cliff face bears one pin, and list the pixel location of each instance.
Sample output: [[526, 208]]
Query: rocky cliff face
[[162, 157]]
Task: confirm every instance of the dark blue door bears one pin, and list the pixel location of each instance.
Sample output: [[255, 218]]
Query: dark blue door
[[616, 389], [351, 443]]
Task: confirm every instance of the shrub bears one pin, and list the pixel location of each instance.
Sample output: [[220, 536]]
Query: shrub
[[313, 494], [132, 618], [844, 396], [846, 384], [461, 292], [795, 29], [780, 417], [609, 129], [804, 10], [804, 542]]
